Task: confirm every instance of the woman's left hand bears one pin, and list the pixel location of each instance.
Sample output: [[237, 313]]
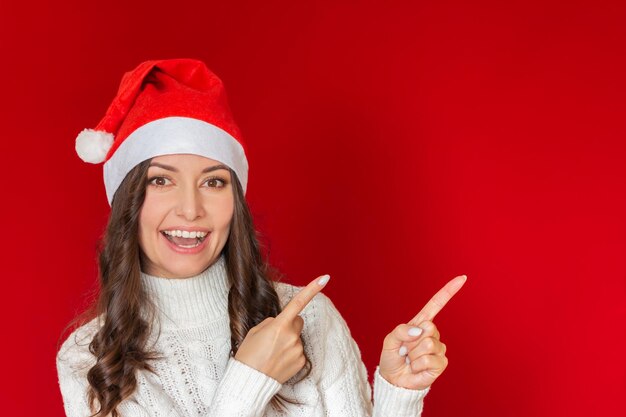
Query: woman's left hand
[[413, 356]]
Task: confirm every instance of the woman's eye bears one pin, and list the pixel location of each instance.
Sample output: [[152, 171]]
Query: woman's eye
[[158, 181], [215, 182]]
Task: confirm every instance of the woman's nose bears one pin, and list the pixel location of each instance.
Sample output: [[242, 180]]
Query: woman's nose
[[190, 203]]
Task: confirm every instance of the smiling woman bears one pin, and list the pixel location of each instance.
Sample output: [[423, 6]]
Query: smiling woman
[[190, 319], [187, 210]]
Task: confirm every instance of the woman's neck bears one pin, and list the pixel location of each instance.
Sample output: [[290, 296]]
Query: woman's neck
[[190, 302]]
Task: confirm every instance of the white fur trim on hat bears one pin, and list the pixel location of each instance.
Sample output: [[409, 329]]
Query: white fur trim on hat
[[92, 145], [174, 135]]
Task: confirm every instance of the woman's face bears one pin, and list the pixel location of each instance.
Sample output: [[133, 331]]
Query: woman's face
[[185, 218]]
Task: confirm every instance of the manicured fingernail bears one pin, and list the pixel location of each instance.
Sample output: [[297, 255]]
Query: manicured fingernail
[[323, 280], [407, 360], [402, 351], [415, 331]]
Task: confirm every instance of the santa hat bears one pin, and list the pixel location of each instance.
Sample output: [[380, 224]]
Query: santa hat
[[164, 107]]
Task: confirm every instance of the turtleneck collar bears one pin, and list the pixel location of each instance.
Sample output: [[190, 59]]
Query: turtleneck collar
[[193, 301]]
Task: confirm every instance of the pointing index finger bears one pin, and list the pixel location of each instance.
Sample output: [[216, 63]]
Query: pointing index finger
[[439, 300], [302, 298]]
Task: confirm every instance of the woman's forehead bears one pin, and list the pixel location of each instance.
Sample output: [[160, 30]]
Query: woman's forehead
[[187, 163], [185, 158]]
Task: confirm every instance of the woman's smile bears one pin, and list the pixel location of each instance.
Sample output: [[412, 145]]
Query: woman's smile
[[185, 242], [185, 238]]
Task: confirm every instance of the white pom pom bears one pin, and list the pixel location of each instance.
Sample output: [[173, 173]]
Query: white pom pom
[[92, 145]]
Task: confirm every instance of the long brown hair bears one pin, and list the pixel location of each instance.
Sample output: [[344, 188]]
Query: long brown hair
[[127, 312]]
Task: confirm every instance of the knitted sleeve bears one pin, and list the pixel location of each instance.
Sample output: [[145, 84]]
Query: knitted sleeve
[[345, 389], [243, 391]]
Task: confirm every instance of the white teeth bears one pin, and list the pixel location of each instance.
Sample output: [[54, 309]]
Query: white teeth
[[185, 233]]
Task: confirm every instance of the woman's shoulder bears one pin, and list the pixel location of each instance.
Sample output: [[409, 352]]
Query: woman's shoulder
[[74, 350], [324, 330]]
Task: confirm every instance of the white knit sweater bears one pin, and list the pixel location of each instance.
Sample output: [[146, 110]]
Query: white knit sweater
[[199, 377]]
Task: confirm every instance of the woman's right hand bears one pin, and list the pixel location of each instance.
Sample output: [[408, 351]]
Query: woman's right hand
[[274, 346]]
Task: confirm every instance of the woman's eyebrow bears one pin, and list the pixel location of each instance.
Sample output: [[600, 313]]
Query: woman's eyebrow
[[173, 169]]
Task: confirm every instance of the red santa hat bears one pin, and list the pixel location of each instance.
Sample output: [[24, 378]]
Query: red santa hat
[[164, 107]]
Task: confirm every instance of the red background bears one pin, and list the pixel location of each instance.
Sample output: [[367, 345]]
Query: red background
[[393, 145]]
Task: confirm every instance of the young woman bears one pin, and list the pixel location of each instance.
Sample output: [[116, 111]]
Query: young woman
[[190, 320]]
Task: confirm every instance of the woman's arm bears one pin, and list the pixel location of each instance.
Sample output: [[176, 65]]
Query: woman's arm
[[243, 392]]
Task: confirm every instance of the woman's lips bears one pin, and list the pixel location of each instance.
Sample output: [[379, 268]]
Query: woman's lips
[[183, 250]]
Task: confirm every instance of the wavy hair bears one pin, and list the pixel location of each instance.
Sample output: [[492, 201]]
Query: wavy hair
[[127, 313]]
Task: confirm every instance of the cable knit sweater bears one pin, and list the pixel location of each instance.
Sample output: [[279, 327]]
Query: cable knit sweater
[[199, 377]]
